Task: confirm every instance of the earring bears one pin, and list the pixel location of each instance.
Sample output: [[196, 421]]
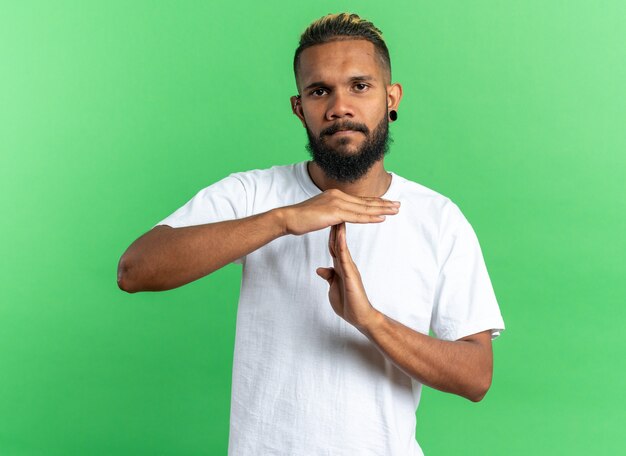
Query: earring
[[393, 115]]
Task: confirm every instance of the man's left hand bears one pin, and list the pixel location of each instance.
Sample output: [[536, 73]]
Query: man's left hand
[[347, 295]]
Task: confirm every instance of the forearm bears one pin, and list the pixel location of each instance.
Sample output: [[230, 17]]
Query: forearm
[[166, 258], [460, 367]]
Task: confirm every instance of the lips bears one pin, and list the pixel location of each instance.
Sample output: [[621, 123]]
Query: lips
[[344, 130]]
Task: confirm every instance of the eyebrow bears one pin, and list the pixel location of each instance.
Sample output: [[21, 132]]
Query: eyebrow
[[352, 79]]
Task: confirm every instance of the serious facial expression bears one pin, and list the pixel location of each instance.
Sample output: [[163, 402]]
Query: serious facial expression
[[344, 102]]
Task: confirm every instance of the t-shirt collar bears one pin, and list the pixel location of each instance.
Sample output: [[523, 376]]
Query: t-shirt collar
[[311, 189]]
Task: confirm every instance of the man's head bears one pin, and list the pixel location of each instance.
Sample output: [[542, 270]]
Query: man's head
[[343, 26], [343, 76]]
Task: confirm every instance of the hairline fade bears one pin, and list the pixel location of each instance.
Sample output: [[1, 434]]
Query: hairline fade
[[342, 27]]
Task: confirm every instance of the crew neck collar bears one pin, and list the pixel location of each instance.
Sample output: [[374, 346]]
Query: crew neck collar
[[312, 190]]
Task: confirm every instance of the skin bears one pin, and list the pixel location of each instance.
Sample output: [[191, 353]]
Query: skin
[[165, 258], [344, 80], [463, 367], [340, 98]]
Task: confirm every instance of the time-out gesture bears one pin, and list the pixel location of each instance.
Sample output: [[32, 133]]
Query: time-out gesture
[[462, 367], [346, 294], [333, 207]]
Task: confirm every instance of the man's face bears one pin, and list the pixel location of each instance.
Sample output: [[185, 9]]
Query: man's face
[[344, 107]]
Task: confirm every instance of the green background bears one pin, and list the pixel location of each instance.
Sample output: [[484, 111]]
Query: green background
[[114, 114]]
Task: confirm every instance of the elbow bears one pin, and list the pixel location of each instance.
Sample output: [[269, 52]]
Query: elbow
[[478, 395], [480, 388], [123, 281]]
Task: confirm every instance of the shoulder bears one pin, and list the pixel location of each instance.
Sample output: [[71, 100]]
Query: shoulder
[[262, 176], [430, 207], [420, 197]]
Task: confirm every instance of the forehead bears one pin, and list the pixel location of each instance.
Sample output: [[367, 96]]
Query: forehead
[[339, 60]]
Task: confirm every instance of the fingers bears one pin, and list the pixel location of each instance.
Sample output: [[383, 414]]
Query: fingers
[[369, 200], [368, 204], [373, 201], [358, 217], [331, 241], [345, 258], [326, 273], [372, 209], [334, 246], [367, 210], [342, 259], [330, 208], [336, 240]]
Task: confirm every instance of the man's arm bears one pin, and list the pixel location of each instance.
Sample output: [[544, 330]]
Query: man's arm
[[166, 257], [462, 367]]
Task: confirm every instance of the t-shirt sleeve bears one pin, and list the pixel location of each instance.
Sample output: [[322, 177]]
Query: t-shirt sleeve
[[465, 302], [223, 200]]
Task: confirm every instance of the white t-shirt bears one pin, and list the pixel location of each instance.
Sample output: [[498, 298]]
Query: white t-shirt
[[304, 381]]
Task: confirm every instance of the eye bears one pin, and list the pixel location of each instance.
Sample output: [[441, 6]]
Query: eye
[[360, 87], [318, 92]]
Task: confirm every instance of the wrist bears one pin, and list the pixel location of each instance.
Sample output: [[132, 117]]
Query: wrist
[[372, 323], [280, 219]]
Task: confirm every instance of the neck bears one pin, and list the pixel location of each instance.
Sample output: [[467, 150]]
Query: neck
[[374, 183]]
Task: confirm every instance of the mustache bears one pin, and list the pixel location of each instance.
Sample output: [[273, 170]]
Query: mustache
[[345, 126]]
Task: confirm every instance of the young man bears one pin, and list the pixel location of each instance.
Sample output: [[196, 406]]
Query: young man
[[343, 378]]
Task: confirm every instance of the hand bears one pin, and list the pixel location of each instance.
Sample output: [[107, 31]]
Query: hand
[[333, 207], [347, 295]]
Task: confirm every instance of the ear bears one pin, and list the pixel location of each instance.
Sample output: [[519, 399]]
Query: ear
[[394, 95], [296, 108]]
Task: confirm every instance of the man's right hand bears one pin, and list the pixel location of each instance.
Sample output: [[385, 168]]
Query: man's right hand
[[166, 257], [332, 207]]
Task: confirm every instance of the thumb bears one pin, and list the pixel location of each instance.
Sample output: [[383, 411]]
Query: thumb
[[326, 273]]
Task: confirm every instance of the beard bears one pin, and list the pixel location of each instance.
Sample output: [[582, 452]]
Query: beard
[[344, 166]]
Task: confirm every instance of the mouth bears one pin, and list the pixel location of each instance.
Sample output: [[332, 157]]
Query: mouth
[[344, 132]]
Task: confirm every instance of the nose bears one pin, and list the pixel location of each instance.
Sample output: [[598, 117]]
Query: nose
[[339, 106]]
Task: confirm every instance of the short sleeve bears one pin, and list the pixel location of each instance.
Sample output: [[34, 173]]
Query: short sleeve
[[223, 200], [465, 302]]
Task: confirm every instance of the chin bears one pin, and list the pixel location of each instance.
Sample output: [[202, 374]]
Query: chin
[[346, 150], [346, 145]]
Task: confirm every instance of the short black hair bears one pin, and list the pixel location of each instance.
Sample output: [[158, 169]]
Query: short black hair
[[338, 27]]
